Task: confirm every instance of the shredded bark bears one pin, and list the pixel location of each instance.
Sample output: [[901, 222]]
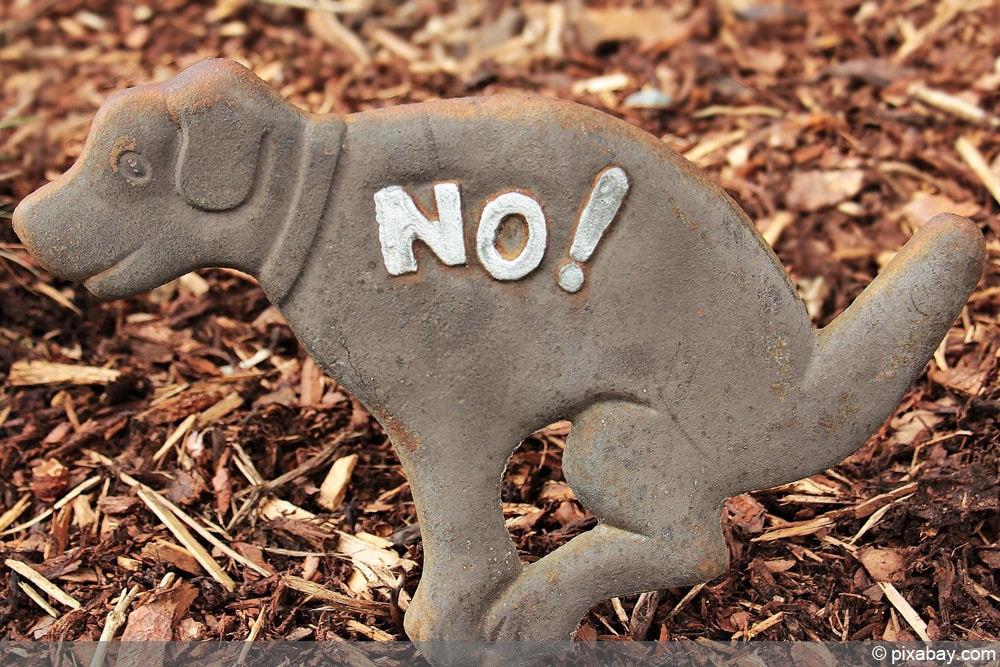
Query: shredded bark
[[174, 466]]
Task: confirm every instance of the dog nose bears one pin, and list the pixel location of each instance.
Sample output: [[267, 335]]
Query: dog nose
[[21, 220], [30, 228]]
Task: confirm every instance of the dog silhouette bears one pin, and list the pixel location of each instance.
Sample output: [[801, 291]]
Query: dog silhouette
[[429, 259]]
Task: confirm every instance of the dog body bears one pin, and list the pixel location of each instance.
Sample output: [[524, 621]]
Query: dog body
[[420, 254]]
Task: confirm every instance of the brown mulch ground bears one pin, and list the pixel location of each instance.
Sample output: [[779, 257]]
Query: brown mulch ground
[[840, 126]]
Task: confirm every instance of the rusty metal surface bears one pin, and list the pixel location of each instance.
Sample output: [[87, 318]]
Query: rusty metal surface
[[475, 269]]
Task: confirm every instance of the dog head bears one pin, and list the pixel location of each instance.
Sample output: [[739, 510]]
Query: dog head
[[154, 192]]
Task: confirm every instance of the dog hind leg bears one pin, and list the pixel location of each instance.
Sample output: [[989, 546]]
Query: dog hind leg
[[659, 523]]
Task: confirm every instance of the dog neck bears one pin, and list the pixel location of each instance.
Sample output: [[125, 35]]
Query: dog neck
[[303, 211]]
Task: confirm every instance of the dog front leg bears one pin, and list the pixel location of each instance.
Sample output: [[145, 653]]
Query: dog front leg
[[469, 557]]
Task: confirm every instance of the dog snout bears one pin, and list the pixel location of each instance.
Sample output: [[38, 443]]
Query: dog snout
[[22, 214], [48, 224], [25, 223]]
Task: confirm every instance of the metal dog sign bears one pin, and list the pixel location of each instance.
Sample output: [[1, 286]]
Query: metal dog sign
[[475, 269]]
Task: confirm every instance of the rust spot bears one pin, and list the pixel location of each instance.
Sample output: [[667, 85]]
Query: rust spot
[[398, 434], [124, 142], [711, 567], [420, 622], [848, 408], [512, 236], [679, 214], [899, 362], [780, 356], [778, 389]]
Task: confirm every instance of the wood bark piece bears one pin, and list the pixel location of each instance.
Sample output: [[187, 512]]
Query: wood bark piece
[[977, 163], [905, 610], [163, 507], [167, 552], [339, 599], [157, 504], [47, 586], [15, 511], [338, 478], [115, 621], [25, 373], [37, 598]]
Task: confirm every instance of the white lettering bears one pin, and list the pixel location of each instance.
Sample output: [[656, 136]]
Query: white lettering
[[401, 222], [494, 213], [605, 198]]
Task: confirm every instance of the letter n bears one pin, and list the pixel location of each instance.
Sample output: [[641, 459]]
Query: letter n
[[401, 222]]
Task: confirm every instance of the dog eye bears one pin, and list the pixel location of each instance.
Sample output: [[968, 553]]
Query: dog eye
[[134, 167]]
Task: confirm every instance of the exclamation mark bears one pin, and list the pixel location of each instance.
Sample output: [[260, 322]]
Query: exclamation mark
[[602, 207]]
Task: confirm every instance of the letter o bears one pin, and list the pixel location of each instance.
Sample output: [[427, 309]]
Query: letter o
[[494, 213]]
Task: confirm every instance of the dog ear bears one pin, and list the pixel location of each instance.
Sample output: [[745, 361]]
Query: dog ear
[[218, 156], [222, 110]]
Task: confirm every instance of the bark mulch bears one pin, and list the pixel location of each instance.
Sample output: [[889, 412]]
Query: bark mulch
[[177, 457]]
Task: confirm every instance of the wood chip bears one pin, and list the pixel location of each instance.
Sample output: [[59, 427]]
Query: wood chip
[[337, 599], [924, 206], [758, 628], [313, 463], [162, 551], [601, 84], [951, 104], [861, 510], [277, 508], [157, 505], [780, 565], [116, 619], [59, 504], [33, 373], [57, 296], [804, 499], [873, 520], [41, 582], [700, 153], [643, 613], [198, 528], [910, 615], [194, 283], [813, 190], [254, 633], [653, 27], [216, 412], [870, 506], [334, 487], [690, 595], [372, 551], [947, 11], [774, 226], [37, 598], [750, 110], [887, 565], [311, 384], [175, 437], [797, 529], [977, 163], [15, 511], [326, 26], [368, 631], [397, 45]]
